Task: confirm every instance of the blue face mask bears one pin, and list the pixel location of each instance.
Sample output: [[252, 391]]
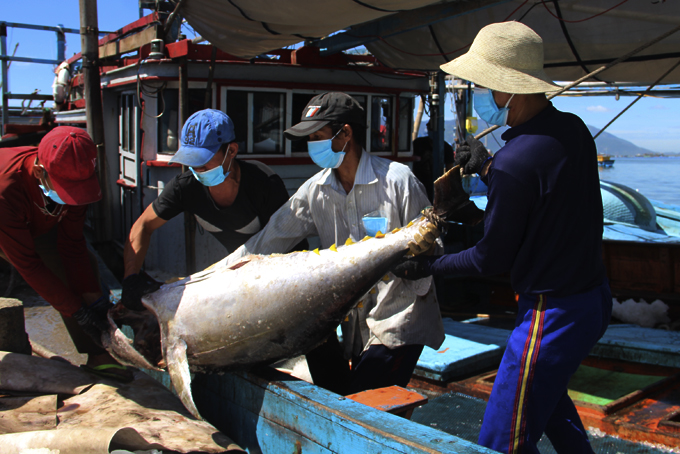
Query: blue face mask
[[322, 153], [488, 110], [52, 194], [215, 176]]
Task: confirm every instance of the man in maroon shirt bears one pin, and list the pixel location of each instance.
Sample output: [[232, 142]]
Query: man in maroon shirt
[[44, 193]]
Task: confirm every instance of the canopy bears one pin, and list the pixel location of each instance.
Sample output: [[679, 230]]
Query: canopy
[[247, 28], [579, 35]]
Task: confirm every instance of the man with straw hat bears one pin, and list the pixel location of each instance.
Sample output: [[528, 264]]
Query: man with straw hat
[[543, 223]]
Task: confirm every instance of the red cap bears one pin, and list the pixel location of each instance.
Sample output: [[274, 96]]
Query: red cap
[[69, 156]]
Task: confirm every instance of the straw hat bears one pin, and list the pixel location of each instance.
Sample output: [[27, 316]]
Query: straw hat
[[505, 57]]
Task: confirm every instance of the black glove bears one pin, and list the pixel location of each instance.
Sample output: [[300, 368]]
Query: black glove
[[411, 268], [101, 306], [135, 286], [92, 322], [471, 156]]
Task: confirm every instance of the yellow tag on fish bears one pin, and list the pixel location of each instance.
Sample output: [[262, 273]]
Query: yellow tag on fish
[[396, 230], [333, 248], [346, 319], [349, 241], [386, 278], [361, 304], [366, 238], [380, 234], [316, 251], [410, 224], [372, 291]]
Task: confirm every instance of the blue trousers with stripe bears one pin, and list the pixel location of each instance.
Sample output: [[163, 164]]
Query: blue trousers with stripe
[[529, 396]]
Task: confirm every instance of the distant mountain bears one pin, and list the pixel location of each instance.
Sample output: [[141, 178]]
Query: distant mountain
[[606, 143], [616, 146]]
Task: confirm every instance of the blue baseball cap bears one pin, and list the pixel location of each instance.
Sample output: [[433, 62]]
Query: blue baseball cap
[[202, 136]]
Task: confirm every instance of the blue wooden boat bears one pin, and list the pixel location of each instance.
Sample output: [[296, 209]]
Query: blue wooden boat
[[641, 243]]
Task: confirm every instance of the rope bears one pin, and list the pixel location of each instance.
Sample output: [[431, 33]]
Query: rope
[[637, 99], [366, 5], [563, 25], [580, 20]]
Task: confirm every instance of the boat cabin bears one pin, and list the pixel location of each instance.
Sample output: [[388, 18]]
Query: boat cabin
[[146, 98]]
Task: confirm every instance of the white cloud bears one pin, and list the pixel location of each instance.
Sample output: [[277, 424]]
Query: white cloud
[[597, 109]]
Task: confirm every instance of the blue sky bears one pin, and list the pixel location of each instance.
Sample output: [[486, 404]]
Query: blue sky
[[651, 123]]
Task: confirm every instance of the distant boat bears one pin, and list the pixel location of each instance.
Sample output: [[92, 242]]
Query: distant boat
[[604, 160]]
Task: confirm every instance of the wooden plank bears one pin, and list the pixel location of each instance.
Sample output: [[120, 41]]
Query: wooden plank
[[324, 418], [128, 44], [392, 399], [642, 345], [642, 267], [467, 349]]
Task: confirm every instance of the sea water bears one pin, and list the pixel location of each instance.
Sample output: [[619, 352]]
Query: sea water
[[655, 178]]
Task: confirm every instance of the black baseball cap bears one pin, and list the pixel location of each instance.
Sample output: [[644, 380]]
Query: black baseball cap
[[324, 109]]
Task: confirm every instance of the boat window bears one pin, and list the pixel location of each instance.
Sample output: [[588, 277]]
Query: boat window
[[127, 127], [259, 120], [381, 123], [300, 101], [168, 122], [269, 116], [237, 109], [405, 123]]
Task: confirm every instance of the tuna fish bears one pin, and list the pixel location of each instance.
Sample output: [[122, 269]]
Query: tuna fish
[[266, 308]]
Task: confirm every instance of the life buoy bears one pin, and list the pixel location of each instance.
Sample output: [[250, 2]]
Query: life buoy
[[60, 87]]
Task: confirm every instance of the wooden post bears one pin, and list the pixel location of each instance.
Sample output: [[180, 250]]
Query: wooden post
[[89, 39], [189, 220], [13, 337]]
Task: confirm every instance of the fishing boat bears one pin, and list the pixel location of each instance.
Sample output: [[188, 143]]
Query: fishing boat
[[151, 79], [604, 160]]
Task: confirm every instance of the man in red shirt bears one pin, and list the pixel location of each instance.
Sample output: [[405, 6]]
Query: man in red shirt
[[44, 193]]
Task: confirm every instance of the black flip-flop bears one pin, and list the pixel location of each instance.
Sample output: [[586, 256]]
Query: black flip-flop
[[103, 371]]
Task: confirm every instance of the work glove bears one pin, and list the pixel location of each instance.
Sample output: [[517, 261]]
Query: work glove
[[101, 306], [135, 286], [424, 239], [471, 156], [92, 322], [411, 268]]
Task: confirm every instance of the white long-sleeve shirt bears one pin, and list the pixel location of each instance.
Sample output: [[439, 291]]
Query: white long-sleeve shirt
[[396, 312]]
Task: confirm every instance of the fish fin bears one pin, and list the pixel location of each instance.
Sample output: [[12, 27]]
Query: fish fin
[[121, 349], [452, 202], [178, 368]]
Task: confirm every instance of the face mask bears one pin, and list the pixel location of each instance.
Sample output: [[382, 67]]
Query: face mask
[[215, 176], [322, 153], [488, 110], [51, 193], [374, 223]]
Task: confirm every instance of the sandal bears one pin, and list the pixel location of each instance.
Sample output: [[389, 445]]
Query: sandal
[[112, 371]]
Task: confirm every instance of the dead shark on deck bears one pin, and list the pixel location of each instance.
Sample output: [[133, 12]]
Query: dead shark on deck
[[266, 308]]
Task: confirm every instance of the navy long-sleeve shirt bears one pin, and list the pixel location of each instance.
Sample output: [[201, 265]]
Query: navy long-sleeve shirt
[[543, 220]]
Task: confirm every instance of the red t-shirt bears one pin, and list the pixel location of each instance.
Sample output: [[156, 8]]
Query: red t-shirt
[[23, 217]]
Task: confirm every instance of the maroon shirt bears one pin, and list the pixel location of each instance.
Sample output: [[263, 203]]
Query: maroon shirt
[[23, 217]]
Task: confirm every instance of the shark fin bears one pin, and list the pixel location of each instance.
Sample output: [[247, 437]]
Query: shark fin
[[178, 367]]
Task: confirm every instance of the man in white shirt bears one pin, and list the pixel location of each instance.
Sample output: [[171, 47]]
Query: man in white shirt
[[386, 332]]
